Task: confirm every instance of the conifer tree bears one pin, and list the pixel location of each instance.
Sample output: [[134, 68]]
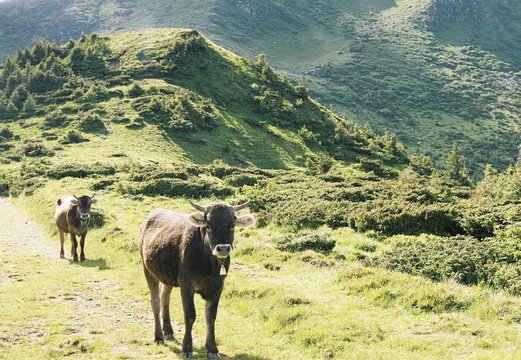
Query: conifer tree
[[18, 96], [29, 106], [39, 51], [455, 168], [11, 111]]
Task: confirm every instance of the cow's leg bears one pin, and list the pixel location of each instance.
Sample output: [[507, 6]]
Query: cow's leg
[[153, 286], [168, 332], [74, 242], [211, 315], [62, 239], [187, 295], [82, 244]]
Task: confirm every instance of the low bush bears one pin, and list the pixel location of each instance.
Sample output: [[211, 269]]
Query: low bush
[[291, 242], [72, 137], [55, 118], [80, 170], [91, 123], [35, 148], [6, 133], [191, 188]]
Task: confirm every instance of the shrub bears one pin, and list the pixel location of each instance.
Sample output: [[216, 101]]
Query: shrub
[[320, 164], [239, 180], [96, 93], [323, 243], [71, 137], [97, 219], [6, 133], [191, 188], [136, 90], [55, 118], [35, 147], [80, 170], [92, 123]]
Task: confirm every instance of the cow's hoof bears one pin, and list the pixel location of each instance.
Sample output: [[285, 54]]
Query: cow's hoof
[[214, 356], [187, 354], [170, 337], [75, 259], [62, 256], [82, 259], [159, 341]]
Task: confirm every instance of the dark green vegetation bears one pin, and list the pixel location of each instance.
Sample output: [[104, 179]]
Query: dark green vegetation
[[434, 72]]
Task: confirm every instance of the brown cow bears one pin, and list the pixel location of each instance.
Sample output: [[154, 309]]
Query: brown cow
[[72, 215], [191, 252]]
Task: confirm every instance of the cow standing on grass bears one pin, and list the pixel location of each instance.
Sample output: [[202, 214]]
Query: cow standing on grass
[[72, 215], [191, 252]]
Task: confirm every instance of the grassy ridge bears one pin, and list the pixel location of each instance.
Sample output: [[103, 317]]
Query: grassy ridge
[[178, 88]]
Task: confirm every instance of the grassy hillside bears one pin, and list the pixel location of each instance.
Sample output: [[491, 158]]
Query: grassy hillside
[[171, 89], [277, 304], [491, 26], [360, 250], [431, 93]]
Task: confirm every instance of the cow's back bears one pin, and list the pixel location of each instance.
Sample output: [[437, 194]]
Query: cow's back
[[60, 212], [160, 237]]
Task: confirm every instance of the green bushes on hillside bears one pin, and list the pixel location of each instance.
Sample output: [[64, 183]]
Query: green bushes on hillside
[[34, 148], [91, 123], [291, 242], [468, 260], [181, 111], [80, 170], [72, 137]]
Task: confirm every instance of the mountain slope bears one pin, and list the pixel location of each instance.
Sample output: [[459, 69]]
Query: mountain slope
[[492, 26], [174, 90], [434, 72]]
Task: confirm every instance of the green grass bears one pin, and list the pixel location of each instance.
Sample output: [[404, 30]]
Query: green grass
[[275, 304]]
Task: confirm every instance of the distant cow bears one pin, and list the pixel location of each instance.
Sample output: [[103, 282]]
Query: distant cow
[[191, 252], [72, 215]]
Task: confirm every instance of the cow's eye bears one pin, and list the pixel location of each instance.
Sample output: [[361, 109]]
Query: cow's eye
[[208, 227]]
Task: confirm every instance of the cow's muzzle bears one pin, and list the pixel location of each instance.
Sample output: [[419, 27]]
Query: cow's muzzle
[[222, 250], [84, 217]]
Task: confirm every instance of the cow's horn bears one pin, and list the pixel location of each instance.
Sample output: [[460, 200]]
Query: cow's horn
[[75, 196], [92, 195], [242, 206], [198, 207]]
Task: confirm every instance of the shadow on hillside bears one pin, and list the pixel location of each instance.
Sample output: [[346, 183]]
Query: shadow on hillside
[[100, 263], [200, 352], [210, 146]]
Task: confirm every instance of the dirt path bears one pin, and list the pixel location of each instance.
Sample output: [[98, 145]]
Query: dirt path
[[52, 307]]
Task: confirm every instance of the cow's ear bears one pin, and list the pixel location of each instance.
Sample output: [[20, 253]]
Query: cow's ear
[[94, 200], [74, 202], [197, 219], [245, 221]]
